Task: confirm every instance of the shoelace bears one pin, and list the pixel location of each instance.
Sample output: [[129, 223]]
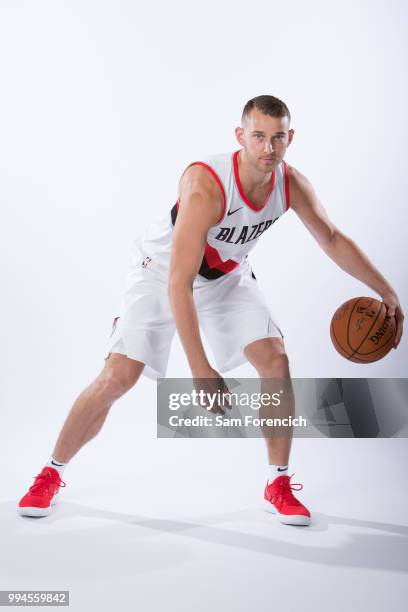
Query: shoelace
[[44, 482], [284, 492]]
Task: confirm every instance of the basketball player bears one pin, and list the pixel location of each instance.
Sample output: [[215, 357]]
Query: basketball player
[[190, 270]]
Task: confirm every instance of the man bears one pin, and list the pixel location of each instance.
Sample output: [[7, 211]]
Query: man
[[190, 269]]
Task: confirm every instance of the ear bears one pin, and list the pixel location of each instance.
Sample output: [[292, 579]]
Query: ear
[[239, 133], [291, 133]]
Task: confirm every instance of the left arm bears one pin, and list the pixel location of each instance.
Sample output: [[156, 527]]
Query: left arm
[[339, 247]]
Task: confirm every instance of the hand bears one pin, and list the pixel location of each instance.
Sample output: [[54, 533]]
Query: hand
[[394, 310], [210, 381]]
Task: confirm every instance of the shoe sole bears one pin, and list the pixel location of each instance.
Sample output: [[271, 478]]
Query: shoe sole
[[36, 511], [287, 519]]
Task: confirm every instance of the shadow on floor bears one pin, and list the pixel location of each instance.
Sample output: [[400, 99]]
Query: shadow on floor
[[77, 548]]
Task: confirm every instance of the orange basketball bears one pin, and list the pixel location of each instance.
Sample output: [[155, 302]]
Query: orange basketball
[[362, 331]]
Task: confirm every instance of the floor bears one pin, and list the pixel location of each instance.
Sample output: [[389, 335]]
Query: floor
[[179, 524]]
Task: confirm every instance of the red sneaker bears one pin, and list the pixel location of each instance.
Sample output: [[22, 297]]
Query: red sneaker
[[280, 500], [41, 495]]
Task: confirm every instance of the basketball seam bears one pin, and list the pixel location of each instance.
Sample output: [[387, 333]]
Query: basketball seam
[[367, 334], [357, 360], [379, 347], [348, 328], [338, 343]]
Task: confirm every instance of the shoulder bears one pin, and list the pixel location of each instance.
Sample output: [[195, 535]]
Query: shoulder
[[300, 188], [201, 196], [200, 178]]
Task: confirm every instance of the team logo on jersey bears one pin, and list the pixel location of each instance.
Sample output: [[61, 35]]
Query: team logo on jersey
[[146, 261], [245, 233]]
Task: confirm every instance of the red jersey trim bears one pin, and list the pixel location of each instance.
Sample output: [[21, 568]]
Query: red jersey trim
[[286, 185], [241, 190], [214, 260], [217, 178]]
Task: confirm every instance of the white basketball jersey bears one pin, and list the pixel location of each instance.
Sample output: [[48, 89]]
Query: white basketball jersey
[[239, 227]]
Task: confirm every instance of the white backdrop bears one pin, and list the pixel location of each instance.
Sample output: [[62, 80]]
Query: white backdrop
[[102, 105]]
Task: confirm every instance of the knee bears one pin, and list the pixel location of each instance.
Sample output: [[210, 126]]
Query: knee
[[274, 365], [115, 381]]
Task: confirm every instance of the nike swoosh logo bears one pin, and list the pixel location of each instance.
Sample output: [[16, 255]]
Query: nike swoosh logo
[[284, 470], [59, 464], [231, 212]]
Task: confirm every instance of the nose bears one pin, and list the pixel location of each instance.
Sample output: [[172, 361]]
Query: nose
[[268, 148]]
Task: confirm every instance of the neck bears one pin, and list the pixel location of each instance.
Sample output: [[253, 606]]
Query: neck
[[251, 178]]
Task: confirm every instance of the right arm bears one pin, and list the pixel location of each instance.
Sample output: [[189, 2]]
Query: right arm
[[200, 207]]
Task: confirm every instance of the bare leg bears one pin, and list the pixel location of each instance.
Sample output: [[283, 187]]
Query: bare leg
[[90, 410], [269, 358]]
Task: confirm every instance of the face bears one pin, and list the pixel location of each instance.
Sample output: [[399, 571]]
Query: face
[[264, 139]]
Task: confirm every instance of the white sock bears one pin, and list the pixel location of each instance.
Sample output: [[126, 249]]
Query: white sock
[[275, 471], [57, 465]]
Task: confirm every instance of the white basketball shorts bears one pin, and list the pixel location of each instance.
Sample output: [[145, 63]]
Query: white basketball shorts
[[232, 313]]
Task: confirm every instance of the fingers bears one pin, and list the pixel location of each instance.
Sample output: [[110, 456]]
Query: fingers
[[390, 306], [216, 395], [226, 391], [394, 310], [219, 386]]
